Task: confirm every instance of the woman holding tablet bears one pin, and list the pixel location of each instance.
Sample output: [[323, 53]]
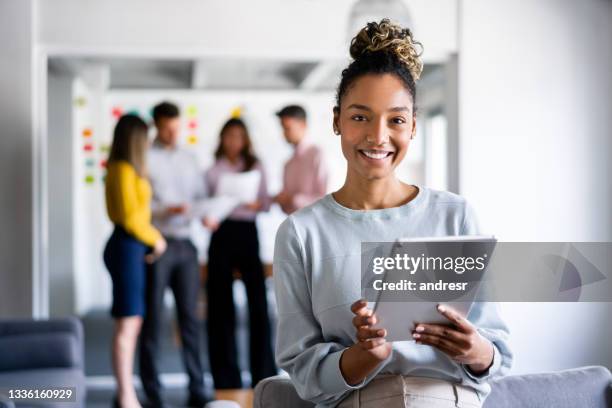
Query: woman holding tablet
[[325, 338]]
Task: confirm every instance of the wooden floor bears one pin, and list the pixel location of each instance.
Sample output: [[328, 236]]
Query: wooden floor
[[243, 397]]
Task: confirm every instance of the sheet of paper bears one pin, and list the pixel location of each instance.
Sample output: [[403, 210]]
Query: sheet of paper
[[241, 186], [217, 208]]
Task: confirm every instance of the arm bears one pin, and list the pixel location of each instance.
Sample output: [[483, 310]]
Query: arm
[[132, 218], [312, 362]]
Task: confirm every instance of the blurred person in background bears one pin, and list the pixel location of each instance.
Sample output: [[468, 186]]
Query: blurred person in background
[[235, 246], [178, 186], [128, 196], [305, 174]]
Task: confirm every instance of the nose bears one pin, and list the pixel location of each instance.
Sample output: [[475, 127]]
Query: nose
[[378, 133]]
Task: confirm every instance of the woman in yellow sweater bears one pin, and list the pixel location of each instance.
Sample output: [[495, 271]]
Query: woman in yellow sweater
[[128, 195]]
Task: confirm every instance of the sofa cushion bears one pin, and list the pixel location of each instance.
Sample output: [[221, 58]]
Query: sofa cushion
[[588, 387], [40, 350], [278, 392]]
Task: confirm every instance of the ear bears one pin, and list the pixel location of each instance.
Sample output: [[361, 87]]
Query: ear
[[413, 132], [336, 120]]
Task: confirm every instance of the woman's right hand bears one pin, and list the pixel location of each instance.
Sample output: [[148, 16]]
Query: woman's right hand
[[371, 348], [369, 339], [158, 249]]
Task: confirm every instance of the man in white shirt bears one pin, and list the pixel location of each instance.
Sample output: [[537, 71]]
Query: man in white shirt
[[178, 185]]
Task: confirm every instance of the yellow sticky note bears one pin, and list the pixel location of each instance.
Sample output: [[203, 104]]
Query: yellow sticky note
[[192, 139], [80, 101], [236, 112]]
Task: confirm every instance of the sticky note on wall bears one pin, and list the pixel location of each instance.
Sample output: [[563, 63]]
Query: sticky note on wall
[[89, 179], [192, 111], [80, 101], [116, 112]]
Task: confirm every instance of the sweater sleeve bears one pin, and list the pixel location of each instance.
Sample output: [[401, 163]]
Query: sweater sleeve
[[312, 362], [132, 217]]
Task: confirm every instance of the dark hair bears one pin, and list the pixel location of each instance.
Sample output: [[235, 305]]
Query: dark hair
[[130, 143], [292, 111], [382, 48], [247, 151], [165, 110]]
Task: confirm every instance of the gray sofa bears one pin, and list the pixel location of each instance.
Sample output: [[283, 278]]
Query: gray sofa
[[586, 387], [42, 354]]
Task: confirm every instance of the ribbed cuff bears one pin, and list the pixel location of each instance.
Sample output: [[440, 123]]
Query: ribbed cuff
[[484, 376], [331, 377]]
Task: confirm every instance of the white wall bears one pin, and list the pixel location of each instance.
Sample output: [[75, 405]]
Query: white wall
[[535, 125], [59, 173], [16, 155], [296, 29]]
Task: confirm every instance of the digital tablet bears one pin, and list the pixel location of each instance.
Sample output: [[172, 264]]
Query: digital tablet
[[399, 318]]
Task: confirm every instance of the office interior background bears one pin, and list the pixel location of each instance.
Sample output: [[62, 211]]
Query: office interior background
[[514, 114]]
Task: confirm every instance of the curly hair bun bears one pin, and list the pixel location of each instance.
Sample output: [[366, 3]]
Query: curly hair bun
[[389, 37]]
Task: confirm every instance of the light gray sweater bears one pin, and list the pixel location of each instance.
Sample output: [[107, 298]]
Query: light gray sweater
[[317, 277]]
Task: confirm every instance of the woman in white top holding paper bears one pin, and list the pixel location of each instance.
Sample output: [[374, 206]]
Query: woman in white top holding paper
[[326, 341], [235, 246]]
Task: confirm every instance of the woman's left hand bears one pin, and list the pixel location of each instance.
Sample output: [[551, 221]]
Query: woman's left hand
[[254, 206], [460, 340]]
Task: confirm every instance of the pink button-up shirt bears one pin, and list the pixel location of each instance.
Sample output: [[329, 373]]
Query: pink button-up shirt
[[305, 176]]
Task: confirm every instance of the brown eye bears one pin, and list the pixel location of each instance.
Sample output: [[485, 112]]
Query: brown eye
[[398, 121], [358, 118]]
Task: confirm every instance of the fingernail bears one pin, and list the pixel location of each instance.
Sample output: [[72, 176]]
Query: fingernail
[[441, 308], [416, 335], [420, 328], [380, 333]]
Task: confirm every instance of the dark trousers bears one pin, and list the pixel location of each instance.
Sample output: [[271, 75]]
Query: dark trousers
[[235, 246], [178, 268]]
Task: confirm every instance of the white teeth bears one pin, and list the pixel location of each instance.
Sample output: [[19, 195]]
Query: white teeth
[[375, 154]]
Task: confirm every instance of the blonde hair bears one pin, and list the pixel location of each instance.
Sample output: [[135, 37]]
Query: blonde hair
[[389, 37], [130, 143]]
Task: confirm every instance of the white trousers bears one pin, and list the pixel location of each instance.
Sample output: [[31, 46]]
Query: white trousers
[[396, 391]]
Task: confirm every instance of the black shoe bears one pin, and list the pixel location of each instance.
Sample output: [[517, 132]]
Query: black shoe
[[156, 402], [198, 400]]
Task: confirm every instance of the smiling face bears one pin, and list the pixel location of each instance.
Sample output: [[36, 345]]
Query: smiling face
[[376, 121]]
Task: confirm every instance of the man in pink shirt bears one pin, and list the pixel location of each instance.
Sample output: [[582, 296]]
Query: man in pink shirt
[[305, 175]]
